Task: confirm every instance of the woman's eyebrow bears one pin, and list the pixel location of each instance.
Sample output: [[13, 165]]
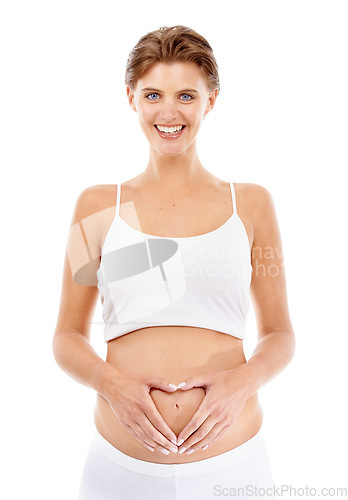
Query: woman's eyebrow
[[156, 90]]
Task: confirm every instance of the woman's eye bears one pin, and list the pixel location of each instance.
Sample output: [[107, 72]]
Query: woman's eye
[[183, 95], [153, 93]]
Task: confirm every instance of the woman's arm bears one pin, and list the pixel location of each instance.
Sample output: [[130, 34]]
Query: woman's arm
[[76, 357], [276, 340], [70, 344], [127, 395], [272, 354]]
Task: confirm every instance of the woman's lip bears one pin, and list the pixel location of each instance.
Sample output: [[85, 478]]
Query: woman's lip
[[173, 136]]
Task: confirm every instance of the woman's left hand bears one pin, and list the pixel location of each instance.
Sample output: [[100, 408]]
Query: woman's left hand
[[226, 394]]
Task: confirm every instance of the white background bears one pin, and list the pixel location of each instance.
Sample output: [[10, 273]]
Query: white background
[[280, 121]]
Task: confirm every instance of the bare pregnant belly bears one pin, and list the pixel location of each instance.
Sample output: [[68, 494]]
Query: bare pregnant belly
[[176, 353]]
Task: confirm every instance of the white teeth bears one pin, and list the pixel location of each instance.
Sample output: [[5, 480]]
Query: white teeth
[[171, 130]]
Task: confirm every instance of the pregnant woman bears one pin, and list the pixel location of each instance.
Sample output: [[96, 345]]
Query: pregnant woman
[[175, 254]]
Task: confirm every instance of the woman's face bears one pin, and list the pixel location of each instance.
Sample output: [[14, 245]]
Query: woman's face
[[170, 95]]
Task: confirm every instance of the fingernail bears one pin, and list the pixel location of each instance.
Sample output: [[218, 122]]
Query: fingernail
[[150, 448], [181, 441], [182, 450], [163, 450], [181, 385], [172, 385], [174, 441], [205, 447], [174, 449], [191, 450]]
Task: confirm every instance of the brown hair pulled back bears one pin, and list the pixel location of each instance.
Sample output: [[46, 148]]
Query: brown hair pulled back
[[172, 44]]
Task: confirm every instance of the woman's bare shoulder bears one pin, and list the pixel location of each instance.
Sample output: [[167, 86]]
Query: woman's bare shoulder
[[95, 198], [251, 189], [251, 196], [94, 211]]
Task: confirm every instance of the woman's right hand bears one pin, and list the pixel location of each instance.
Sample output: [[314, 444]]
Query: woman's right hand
[[130, 400]]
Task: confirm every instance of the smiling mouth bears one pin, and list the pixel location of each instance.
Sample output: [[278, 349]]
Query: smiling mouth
[[167, 133]]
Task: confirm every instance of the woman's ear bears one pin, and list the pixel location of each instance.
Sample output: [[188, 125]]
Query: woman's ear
[[131, 98], [211, 102]]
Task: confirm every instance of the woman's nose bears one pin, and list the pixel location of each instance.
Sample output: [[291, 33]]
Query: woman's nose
[[169, 111]]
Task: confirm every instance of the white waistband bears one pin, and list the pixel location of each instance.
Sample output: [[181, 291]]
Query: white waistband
[[184, 469]]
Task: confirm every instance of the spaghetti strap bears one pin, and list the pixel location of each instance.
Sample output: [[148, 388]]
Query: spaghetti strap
[[233, 198], [118, 198]]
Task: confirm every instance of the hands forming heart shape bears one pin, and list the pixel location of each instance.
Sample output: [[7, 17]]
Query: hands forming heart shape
[[225, 395]]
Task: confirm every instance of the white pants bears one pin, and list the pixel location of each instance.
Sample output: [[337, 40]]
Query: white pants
[[109, 474]]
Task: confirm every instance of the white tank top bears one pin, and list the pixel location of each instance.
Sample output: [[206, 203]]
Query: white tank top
[[199, 281]]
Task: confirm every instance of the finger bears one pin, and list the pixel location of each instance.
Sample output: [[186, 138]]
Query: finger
[[195, 381], [198, 435], [196, 421], [163, 431], [144, 431], [145, 441], [137, 437], [158, 440], [160, 383], [205, 438], [208, 442]]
